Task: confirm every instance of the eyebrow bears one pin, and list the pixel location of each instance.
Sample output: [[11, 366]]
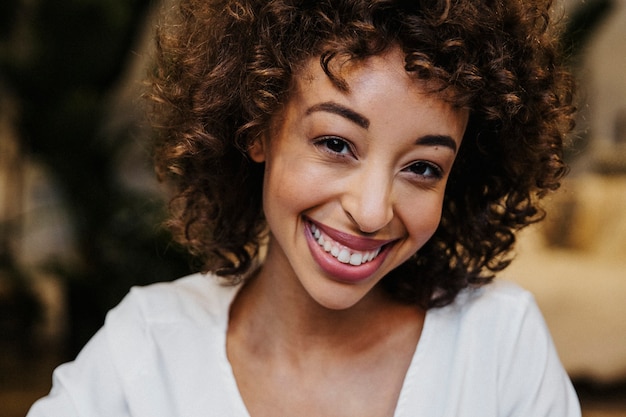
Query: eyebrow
[[437, 140], [342, 111], [362, 121]]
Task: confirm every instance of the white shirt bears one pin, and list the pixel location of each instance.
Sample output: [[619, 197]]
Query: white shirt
[[162, 353]]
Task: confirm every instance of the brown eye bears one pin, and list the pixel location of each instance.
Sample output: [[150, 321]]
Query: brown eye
[[425, 169], [335, 145]]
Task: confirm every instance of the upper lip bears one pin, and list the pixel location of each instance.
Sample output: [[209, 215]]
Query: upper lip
[[351, 241]]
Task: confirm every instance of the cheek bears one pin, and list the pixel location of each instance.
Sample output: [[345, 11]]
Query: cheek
[[422, 217], [290, 184]]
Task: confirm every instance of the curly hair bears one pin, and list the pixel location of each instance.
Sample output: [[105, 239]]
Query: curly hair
[[225, 67]]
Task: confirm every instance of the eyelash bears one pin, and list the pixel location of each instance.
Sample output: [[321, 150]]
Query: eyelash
[[416, 168], [325, 141], [437, 172]]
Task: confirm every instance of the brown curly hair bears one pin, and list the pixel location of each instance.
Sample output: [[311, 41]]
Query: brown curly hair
[[225, 67]]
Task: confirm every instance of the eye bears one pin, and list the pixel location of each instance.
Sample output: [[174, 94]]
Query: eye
[[425, 169], [334, 145]]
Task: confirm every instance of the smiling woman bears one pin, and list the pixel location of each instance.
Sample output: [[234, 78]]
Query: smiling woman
[[383, 153], [361, 161]]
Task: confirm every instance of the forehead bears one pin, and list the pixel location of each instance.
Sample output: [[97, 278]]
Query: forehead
[[364, 82], [351, 75]]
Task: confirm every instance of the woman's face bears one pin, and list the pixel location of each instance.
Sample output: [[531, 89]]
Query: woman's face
[[354, 181]]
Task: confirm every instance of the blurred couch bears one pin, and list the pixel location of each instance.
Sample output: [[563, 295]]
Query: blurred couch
[[575, 264]]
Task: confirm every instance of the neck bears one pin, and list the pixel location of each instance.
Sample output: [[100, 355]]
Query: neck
[[275, 316]]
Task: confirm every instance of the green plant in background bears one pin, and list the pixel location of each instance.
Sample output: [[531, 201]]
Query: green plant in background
[[61, 59], [581, 25]]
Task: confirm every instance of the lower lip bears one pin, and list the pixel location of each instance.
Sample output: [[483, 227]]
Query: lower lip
[[338, 270]]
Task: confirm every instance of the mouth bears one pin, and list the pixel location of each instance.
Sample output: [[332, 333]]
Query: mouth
[[346, 257], [342, 253]]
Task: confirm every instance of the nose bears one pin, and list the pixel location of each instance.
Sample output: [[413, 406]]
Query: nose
[[367, 200]]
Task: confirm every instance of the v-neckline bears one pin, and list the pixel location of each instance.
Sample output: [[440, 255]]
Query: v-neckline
[[238, 405]]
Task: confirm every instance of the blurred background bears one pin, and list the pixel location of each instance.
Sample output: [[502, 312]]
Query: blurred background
[[80, 209]]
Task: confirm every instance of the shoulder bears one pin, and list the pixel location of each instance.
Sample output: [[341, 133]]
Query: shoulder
[[161, 352], [196, 297], [489, 327], [500, 293], [158, 321], [495, 336], [495, 302], [167, 336]]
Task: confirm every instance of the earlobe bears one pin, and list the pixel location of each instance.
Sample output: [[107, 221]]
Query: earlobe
[[256, 150]]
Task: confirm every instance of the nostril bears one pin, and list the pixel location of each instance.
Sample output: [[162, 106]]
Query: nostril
[[367, 200], [367, 221]]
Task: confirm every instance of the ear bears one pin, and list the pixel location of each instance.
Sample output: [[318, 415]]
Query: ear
[[256, 151]]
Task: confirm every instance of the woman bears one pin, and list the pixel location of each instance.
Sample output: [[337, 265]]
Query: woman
[[351, 175]]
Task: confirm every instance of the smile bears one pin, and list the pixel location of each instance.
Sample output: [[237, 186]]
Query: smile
[[344, 256], [341, 252]]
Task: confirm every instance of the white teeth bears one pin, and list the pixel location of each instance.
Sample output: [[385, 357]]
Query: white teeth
[[343, 254], [356, 259]]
